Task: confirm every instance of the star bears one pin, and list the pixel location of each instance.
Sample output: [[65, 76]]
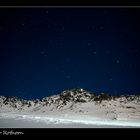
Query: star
[[89, 44], [22, 24], [94, 52], [47, 12], [42, 52], [136, 50], [110, 79], [101, 27], [117, 61]]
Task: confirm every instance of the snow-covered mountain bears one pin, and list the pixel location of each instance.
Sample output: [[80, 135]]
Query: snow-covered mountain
[[73, 100], [76, 104]]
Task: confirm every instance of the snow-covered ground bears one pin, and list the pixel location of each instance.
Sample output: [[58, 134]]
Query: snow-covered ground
[[72, 109], [8, 120]]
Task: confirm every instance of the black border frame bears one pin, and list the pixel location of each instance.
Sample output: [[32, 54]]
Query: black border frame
[[69, 3], [66, 133]]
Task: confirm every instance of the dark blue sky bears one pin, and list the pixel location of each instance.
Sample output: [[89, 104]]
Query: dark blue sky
[[44, 51]]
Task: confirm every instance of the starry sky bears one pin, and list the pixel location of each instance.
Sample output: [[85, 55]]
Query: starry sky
[[44, 51]]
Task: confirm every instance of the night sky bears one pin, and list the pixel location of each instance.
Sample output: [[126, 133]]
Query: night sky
[[44, 51]]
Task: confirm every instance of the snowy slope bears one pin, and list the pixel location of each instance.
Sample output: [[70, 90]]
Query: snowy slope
[[75, 106]]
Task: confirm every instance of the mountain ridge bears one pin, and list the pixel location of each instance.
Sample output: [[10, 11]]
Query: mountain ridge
[[72, 95], [78, 103]]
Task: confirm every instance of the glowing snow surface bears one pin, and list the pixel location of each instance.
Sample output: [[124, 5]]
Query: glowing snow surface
[[33, 121]]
